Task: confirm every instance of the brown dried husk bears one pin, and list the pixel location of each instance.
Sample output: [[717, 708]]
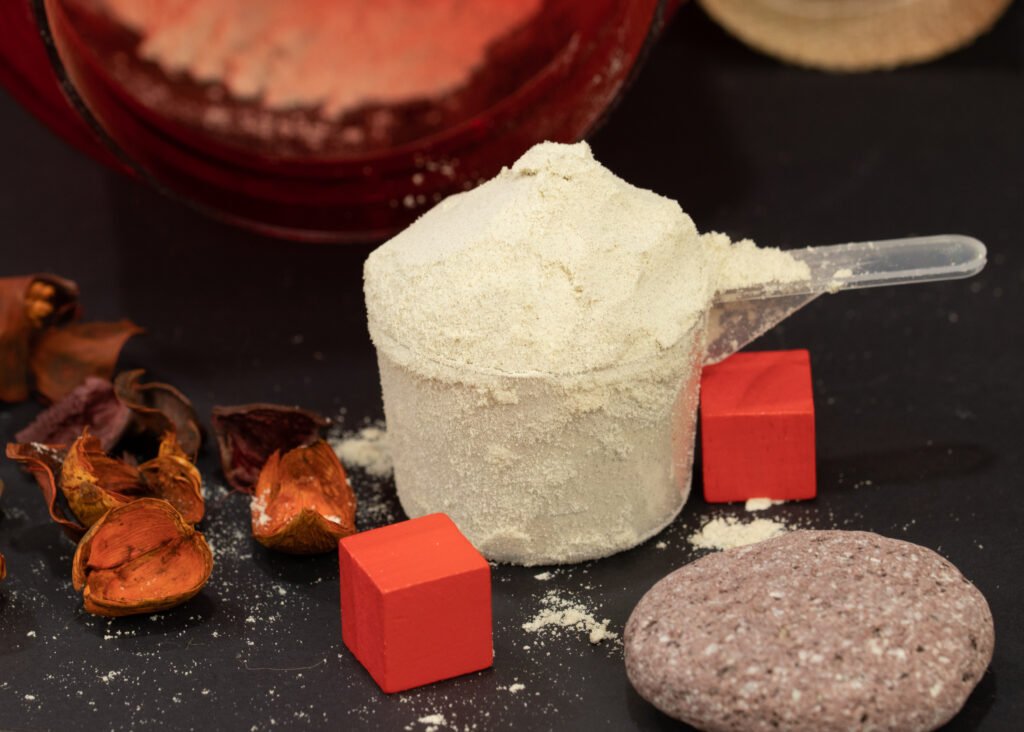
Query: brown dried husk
[[248, 434], [92, 404], [295, 494], [173, 477], [29, 304], [140, 558], [94, 483], [159, 408], [44, 462], [62, 358]]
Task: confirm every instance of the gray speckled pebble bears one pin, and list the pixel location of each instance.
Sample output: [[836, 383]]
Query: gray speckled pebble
[[813, 630]]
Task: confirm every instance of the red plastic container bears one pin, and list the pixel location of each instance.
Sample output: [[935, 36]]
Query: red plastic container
[[552, 78]]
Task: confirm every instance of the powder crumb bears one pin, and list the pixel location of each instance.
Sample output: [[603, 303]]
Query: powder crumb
[[561, 612], [760, 504], [543, 576], [259, 510], [30, 634], [516, 688], [366, 449], [661, 545], [729, 532], [433, 721]]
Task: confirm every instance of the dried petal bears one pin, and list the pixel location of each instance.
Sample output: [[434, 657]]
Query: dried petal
[[94, 483], [92, 405], [249, 433], [303, 502], [63, 357], [172, 477], [140, 558], [45, 462], [159, 408], [27, 305]]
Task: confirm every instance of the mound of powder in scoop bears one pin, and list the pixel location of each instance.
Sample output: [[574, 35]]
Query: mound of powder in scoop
[[556, 266]]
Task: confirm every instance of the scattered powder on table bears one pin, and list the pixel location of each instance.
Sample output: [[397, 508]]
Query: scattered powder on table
[[760, 504], [259, 509], [543, 576], [729, 532], [560, 612], [366, 449], [516, 688], [433, 721]]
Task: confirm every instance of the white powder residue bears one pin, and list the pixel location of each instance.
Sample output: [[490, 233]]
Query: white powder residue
[[532, 336], [259, 511], [560, 612], [743, 263], [433, 721], [729, 532], [761, 504], [543, 576], [366, 449], [839, 278], [516, 688]]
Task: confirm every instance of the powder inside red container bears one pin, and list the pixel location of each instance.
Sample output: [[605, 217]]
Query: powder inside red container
[[330, 55]]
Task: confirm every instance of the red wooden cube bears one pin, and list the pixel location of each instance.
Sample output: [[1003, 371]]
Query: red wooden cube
[[757, 427], [415, 602]]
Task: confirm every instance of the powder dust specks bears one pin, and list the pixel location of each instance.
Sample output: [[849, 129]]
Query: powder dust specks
[[365, 452], [366, 449], [559, 612]]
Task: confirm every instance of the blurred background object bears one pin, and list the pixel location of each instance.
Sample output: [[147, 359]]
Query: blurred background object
[[316, 120], [856, 35]]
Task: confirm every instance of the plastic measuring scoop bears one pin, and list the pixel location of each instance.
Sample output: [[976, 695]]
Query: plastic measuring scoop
[[738, 316]]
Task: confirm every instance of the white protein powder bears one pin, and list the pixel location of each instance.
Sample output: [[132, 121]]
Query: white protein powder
[[540, 340]]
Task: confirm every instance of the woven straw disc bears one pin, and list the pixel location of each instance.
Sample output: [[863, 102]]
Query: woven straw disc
[[856, 35]]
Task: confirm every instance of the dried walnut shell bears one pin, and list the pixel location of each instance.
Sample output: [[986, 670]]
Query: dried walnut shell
[[140, 558], [303, 502]]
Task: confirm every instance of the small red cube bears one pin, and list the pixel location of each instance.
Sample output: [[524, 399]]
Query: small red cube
[[415, 602], [757, 427]]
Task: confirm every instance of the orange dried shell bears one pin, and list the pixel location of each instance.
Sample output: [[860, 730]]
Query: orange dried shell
[[44, 462], [140, 558], [855, 35], [93, 483], [303, 503], [172, 477]]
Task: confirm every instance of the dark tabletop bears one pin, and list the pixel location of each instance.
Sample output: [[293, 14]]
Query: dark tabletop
[[917, 390]]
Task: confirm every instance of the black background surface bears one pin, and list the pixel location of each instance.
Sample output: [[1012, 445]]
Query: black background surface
[[918, 391]]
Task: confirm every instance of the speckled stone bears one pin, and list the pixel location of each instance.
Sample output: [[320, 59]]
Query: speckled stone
[[813, 630]]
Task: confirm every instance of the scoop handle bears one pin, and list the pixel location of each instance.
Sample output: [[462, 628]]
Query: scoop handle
[[873, 264], [738, 316]]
